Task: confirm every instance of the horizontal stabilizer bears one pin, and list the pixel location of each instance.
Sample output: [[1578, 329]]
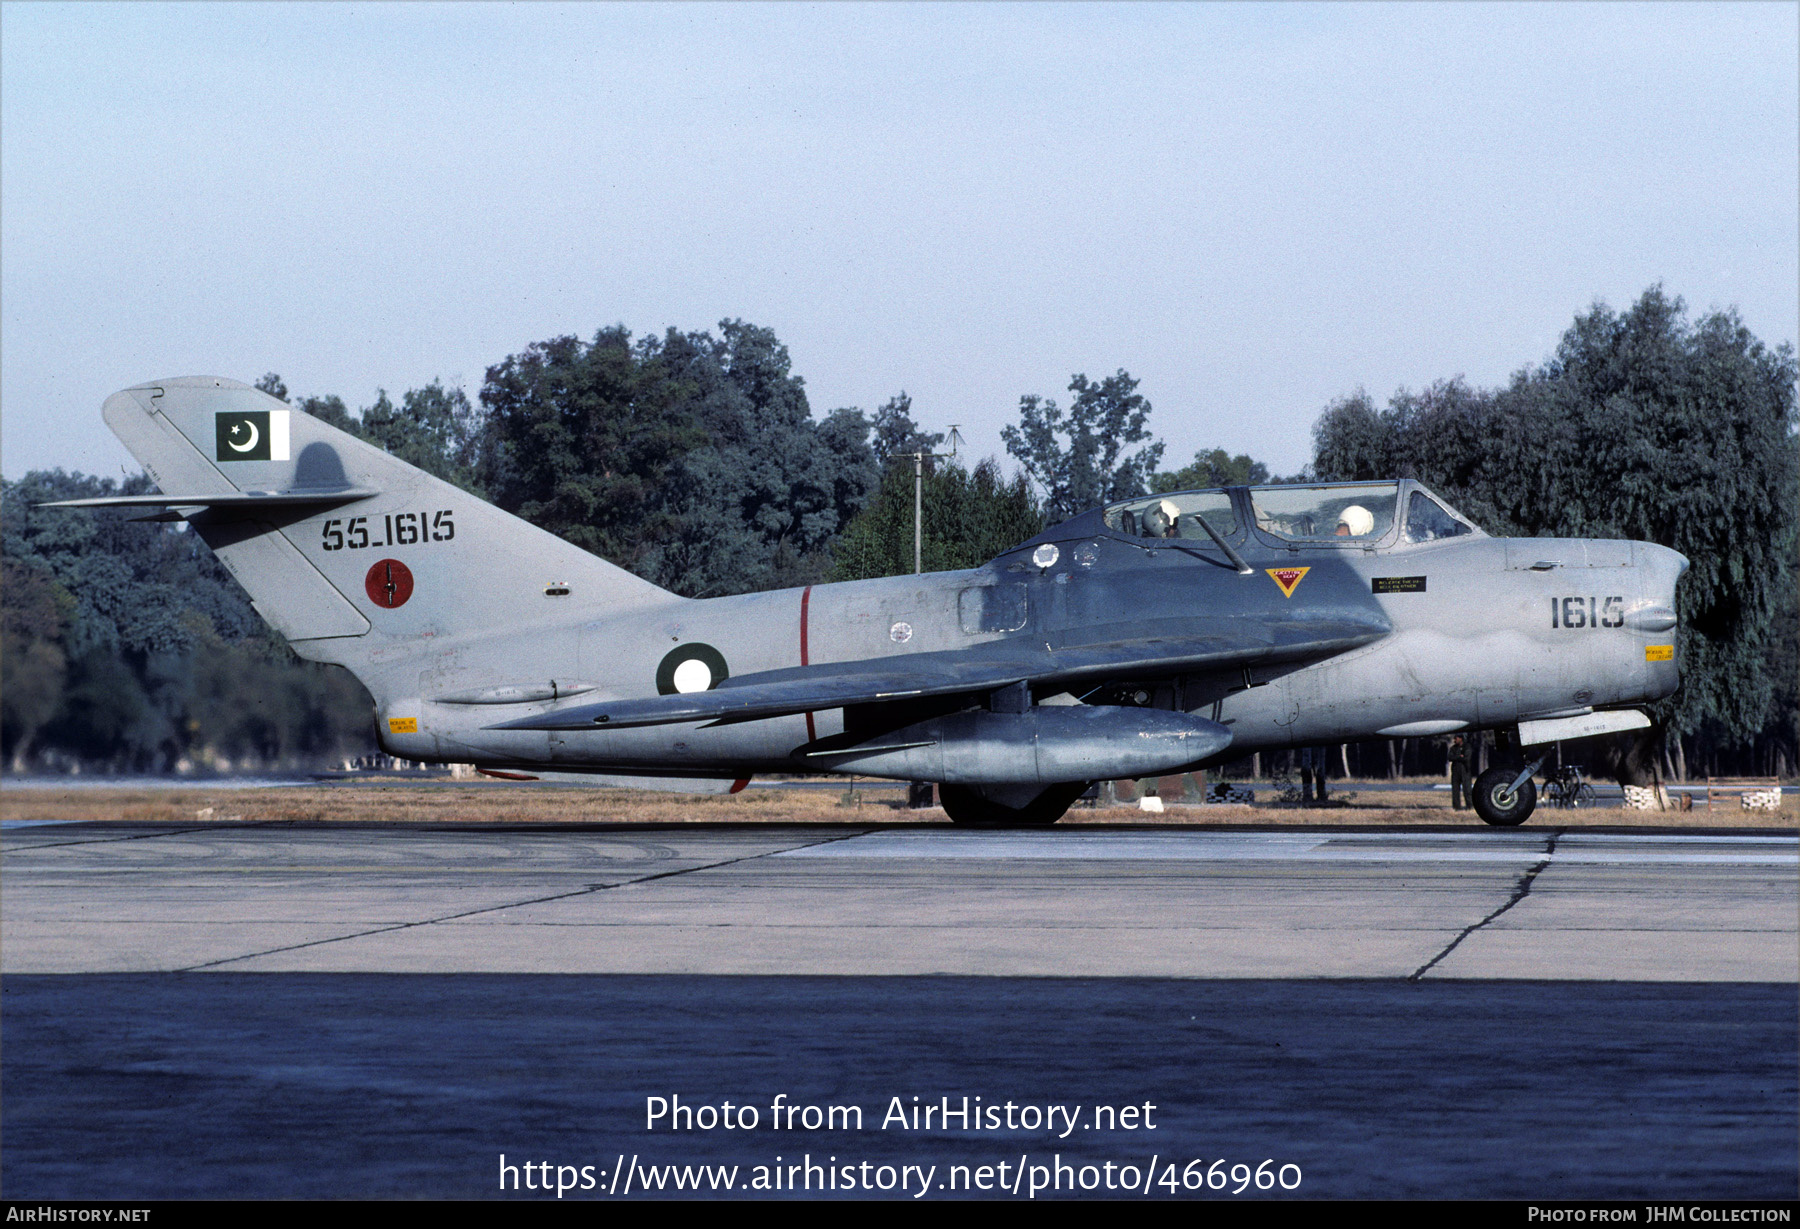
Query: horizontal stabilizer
[[236, 500], [987, 667]]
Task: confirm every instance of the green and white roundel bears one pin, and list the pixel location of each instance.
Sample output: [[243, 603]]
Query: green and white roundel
[[692, 667]]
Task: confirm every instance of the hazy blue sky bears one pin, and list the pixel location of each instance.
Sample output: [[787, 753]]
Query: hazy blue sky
[[1254, 209]]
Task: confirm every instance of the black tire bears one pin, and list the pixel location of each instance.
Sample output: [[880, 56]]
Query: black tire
[[1585, 796], [965, 806], [1490, 793]]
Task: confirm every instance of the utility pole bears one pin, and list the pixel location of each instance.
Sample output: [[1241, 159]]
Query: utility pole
[[918, 512], [919, 459], [918, 793]]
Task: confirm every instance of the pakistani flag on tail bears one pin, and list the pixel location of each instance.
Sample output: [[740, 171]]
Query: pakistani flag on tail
[[252, 435]]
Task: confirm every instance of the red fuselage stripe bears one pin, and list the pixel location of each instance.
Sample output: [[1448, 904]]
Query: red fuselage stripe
[[805, 608]]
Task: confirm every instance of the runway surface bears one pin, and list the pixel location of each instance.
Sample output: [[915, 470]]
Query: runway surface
[[385, 1010], [893, 901]]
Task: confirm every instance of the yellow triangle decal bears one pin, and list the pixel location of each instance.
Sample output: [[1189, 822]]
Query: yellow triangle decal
[[1287, 579]]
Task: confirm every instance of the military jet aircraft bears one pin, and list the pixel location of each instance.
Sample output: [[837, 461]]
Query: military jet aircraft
[[1153, 636]]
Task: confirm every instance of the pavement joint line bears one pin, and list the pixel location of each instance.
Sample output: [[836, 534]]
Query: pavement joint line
[[589, 890], [142, 836], [1520, 891]]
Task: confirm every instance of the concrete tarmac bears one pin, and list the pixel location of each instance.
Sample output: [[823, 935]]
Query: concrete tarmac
[[265, 1010], [900, 901]]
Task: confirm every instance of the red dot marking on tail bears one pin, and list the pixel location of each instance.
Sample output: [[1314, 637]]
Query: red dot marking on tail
[[389, 583]]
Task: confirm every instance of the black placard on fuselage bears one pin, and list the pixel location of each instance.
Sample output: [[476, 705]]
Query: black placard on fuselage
[[1397, 584]]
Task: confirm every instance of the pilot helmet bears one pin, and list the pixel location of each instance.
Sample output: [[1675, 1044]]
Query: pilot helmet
[[1158, 517], [1357, 519]]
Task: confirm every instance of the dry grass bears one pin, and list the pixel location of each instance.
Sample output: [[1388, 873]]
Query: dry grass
[[482, 803], [496, 802]]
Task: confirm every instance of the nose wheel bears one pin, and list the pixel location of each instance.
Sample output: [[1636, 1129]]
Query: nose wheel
[[1502, 799]]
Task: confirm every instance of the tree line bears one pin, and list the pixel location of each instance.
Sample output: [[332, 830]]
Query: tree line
[[694, 459], [1642, 425]]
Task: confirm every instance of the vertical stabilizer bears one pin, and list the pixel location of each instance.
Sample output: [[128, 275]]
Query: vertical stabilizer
[[350, 553]]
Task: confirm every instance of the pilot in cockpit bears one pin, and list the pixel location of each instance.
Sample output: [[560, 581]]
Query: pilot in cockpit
[[1159, 519], [1355, 521]]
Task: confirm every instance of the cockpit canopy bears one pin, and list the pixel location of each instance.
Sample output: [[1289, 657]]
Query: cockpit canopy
[[1176, 515], [1336, 513]]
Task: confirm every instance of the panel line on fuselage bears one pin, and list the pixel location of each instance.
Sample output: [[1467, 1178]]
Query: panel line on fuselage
[[812, 734]]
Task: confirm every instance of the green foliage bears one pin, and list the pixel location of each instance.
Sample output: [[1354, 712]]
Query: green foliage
[[255, 701], [1641, 426], [331, 411], [1211, 469], [124, 641], [435, 429], [583, 437], [1079, 458], [896, 434], [969, 517], [132, 581], [1458, 440], [33, 667], [758, 504], [690, 459]]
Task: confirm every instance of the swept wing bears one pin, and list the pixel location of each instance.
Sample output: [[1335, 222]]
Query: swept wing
[[986, 667]]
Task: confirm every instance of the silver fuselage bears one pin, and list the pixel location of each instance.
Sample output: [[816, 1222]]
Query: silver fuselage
[[1485, 632], [1239, 609]]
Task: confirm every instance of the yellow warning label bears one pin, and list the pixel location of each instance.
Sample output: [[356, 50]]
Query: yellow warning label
[[1287, 579], [1659, 652], [403, 725]]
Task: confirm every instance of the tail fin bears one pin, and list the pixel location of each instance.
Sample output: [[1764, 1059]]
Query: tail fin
[[334, 539]]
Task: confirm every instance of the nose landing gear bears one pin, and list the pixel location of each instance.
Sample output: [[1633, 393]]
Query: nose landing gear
[[1505, 796], [1499, 802]]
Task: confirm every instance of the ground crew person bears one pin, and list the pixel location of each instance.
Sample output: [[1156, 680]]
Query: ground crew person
[[1459, 772], [1312, 774]]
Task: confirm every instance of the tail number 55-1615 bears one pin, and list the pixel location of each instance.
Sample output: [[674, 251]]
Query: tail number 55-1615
[[395, 529]]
